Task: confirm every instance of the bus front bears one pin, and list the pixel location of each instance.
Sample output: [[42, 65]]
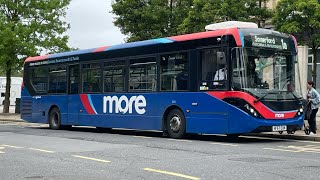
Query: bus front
[[265, 81]]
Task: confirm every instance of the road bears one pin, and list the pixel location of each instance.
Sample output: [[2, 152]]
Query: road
[[33, 151]]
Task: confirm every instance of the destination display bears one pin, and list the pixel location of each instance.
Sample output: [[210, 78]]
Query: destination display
[[268, 39]]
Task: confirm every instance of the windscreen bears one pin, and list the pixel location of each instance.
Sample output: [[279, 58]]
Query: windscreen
[[266, 73]]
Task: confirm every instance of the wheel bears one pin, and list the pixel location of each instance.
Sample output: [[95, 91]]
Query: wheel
[[176, 124], [280, 132], [55, 119], [307, 130]]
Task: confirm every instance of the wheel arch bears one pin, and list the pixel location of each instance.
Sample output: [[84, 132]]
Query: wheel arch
[[166, 113], [49, 111]]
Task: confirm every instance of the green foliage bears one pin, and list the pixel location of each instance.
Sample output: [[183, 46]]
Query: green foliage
[[206, 12], [146, 19], [29, 28], [301, 18]]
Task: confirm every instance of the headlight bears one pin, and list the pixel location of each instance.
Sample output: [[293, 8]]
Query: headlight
[[251, 110]]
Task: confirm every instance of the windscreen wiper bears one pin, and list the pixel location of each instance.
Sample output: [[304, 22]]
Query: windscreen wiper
[[295, 97], [270, 92]]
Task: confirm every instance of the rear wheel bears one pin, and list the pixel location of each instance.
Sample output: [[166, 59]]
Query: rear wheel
[[176, 124], [55, 119]]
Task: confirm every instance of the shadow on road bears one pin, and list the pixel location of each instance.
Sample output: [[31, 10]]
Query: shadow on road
[[159, 134]]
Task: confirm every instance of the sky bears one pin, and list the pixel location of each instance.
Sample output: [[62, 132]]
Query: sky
[[91, 24]]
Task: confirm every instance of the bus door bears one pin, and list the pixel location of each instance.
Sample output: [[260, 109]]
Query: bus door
[[73, 94]]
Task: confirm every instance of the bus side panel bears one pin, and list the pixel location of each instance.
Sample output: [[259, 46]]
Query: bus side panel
[[37, 110], [210, 115], [96, 111], [58, 100], [94, 114]]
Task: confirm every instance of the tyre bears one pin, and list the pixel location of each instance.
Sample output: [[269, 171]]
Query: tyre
[[307, 130], [55, 119], [176, 124]]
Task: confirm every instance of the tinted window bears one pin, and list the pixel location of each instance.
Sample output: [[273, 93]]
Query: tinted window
[[39, 79], [57, 79], [143, 74], [174, 72], [114, 76], [91, 78]]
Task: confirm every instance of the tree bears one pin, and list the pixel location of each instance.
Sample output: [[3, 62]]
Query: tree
[[302, 19], [142, 19], [29, 28], [206, 12]]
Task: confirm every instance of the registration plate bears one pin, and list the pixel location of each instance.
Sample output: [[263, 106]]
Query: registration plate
[[279, 128]]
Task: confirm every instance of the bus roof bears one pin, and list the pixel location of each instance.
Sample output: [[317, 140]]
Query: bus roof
[[186, 37]]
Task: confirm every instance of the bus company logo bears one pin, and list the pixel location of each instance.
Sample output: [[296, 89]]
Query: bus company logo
[[279, 115], [124, 105]]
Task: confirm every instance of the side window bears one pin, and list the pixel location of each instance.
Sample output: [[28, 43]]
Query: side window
[[143, 74], [39, 79], [57, 79], [174, 72], [213, 69], [91, 78], [114, 76]]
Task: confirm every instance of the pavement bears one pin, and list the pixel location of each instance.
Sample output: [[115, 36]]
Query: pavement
[[298, 135]]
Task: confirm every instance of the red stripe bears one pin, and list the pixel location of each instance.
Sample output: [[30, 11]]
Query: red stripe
[[208, 34], [261, 108], [100, 49], [86, 103], [36, 58]]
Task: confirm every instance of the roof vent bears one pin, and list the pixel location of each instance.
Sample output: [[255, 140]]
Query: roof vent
[[230, 24]]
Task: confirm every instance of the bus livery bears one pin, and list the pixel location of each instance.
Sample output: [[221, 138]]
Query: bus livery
[[226, 81]]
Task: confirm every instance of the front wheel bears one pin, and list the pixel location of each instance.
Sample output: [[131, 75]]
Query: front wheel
[[55, 119], [176, 124]]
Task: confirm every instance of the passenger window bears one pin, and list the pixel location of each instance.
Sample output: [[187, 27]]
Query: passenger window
[[57, 79], [91, 78], [213, 69], [143, 74], [174, 72], [114, 76], [39, 79]]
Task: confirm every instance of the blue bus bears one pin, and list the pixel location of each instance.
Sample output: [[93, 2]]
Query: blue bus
[[226, 81]]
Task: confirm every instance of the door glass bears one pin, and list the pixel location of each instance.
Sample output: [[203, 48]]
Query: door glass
[[74, 79]]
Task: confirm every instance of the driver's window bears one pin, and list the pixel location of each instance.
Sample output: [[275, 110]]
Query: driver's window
[[213, 69]]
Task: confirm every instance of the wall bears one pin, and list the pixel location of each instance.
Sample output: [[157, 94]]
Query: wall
[[303, 68]]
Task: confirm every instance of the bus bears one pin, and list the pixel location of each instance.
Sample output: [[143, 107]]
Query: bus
[[171, 85]]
